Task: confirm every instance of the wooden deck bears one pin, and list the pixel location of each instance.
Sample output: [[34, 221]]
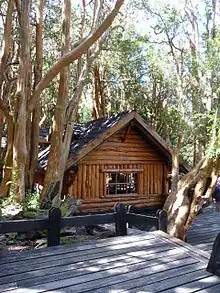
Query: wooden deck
[[205, 229], [148, 262]]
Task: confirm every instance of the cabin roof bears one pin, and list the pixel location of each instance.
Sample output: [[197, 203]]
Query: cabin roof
[[87, 136], [83, 133]]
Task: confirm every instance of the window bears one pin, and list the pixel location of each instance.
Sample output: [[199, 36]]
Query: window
[[121, 183]]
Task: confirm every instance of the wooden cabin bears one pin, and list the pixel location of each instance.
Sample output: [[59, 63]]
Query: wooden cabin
[[116, 159]]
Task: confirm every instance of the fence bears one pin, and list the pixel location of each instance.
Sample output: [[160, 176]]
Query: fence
[[55, 222]]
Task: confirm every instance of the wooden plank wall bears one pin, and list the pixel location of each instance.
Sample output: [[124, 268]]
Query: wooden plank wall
[[133, 150], [90, 181], [121, 151]]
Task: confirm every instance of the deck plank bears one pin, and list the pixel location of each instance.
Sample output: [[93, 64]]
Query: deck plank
[[159, 281], [61, 272], [90, 281], [196, 286], [149, 262], [204, 229], [22, 266], [63, 249]]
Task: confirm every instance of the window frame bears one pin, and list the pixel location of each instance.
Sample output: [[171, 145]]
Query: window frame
[[125, 171]]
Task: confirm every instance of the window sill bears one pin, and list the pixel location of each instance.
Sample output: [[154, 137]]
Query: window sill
[[121, 170], [122, 195]]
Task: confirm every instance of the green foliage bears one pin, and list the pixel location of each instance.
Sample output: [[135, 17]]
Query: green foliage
[[145, 66], [11, 236], [213, 149], [84, 111], [28, 209], [31, 202], [6, 201]]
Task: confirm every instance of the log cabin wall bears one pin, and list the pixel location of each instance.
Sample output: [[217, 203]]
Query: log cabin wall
[[125, 150]]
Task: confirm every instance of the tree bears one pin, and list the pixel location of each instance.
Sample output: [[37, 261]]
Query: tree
[[195, 188], [175, 31], [189, 194], [27, 97]]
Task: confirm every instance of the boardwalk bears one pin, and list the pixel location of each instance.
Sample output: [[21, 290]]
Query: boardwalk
[[145, 262], [149, 262], [205, 229]]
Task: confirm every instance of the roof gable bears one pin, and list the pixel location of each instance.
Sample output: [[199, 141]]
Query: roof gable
[[127, 146], [88, 136], [114, 124]]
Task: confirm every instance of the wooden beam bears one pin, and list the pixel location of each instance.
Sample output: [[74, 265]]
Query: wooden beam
[[80, 221], [123, 137], [121, 170], [23, 225]]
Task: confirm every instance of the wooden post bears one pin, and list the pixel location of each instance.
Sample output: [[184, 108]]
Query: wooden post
[[120, 219], [162, 220], [214, 261], [130, 210], [53, 233]]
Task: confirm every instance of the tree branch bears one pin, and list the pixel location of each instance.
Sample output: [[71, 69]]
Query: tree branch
[[73, 55], [81, 80]]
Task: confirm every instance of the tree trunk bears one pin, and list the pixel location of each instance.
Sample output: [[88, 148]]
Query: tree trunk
[[8, 161], [98, 109], [54, 171], [194, 189], [37, 77], [7, 42], [33, 147], [203, 188], [23, 88], [4, 112], [29, 151], [2, 118]]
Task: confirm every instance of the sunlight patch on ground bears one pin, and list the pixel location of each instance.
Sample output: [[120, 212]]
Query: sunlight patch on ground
[[117, 291], [11, 210], [185, 290]]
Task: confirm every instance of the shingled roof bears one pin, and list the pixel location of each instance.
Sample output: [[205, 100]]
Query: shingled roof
[[87, 136], [83, 133]]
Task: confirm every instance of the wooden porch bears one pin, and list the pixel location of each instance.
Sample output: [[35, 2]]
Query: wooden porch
[[141, 262], [148, 262], [205, 229]]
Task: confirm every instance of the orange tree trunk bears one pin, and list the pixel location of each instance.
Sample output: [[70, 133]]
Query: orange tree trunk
[[1, 126], [36, 113], [8, 161], [23, 88], [55, 161], [194, 189]]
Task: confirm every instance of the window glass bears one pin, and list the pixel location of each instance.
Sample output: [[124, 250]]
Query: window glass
[[121, 183]]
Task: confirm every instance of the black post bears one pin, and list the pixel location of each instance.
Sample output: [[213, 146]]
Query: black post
[[214, 261], [120, 219], [130, 210], [53, 233], [162, 220]]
